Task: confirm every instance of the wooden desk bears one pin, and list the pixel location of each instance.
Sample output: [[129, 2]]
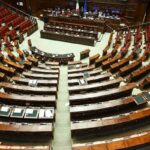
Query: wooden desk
[[40, 75], [23, 147], [105, 50], [86, 111], [80, 74], [53, 59], [2, 76], [68, 38], [40, 82], [20, 53], [101, 95], [92, 79], [89, 68], [95, 87], [8, 70], [29, 114], [145, 83], [137, 74], [18, 67], [78, 66], [74, 62], [52, 63], [33, 60], [73, 24], [24, 99], [81, 128], [106, 64], [15, 59], [92, 59], [135, 139], [9, 87], [26, 132], [116, 66], [44, 66], [71, 30], [45, 71], [84, 54], [99, 61], [100, 24], [131, 67]]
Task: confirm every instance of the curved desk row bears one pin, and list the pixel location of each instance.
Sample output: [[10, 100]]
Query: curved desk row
[[134, 140], [40, 82], [84, 71], [26, 99], [25, 131], [78, 70], [91, 79], [140, 73], [83, 111], [46, 71], [26, 114], [66, 29], [100, 96], [21, 147], [107, 125], [9, 87], [58, 58], [7, 70], [95, 86], [48, 65], [17, 66], [29, 74]]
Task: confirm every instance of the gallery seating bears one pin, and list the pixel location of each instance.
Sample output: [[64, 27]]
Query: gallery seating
[[17, 21]]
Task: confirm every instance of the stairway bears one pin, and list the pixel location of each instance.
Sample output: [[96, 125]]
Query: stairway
[[62, 132]]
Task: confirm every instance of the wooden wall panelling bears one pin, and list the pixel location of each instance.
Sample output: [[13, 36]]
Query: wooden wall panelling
[[148, 13]]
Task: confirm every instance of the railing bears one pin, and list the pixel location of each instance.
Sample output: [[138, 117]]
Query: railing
[[18, 11], [135, 26]]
